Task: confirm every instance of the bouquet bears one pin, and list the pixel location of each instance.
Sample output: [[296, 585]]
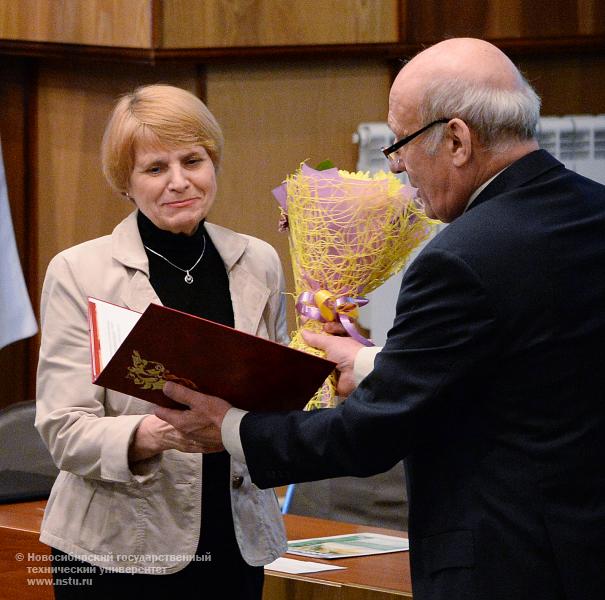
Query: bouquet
[[348, 233]]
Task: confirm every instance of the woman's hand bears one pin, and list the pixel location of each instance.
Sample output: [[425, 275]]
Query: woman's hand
[[153, 436]]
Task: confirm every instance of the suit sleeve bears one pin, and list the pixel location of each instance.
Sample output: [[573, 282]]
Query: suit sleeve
[[444, 328]]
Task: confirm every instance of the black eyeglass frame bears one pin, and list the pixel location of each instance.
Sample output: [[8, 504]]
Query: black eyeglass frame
[[408, 138]]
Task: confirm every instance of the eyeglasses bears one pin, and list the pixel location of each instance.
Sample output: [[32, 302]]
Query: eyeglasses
[[390, 151]]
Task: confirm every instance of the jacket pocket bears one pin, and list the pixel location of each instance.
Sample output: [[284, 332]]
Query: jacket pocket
[[449, 550]]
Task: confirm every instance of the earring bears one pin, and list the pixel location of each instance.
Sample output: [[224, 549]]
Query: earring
[[128, 196]]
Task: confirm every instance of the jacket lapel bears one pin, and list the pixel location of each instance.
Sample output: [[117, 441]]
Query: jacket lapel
[[127, 249], [248, 294], [139, 294], [249, 297]]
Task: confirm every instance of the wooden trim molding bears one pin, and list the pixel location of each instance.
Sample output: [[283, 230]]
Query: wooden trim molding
[[513, 46], [556, 46]]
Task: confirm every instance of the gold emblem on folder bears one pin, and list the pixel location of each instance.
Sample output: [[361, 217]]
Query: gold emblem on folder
[[151, 375]]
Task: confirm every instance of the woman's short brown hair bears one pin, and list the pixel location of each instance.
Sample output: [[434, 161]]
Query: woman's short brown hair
[[156, 115]]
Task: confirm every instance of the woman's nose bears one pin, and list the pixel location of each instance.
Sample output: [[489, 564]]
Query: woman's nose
[[178, 179]]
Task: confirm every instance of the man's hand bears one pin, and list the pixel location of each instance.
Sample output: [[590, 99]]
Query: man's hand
[[342, 351], [201, 422]]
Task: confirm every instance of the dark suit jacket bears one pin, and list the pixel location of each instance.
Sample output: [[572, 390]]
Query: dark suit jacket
[[491, 384]]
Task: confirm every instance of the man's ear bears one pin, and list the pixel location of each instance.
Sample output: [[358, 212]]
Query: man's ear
[[459, 142]]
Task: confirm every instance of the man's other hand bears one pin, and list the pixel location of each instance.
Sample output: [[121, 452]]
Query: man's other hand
[[342, 351], [201, 421]]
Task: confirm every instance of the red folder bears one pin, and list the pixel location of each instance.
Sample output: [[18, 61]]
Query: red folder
[[250, 372]]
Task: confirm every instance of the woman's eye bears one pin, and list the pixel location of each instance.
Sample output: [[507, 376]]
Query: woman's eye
[[154, 170], [194, 161]]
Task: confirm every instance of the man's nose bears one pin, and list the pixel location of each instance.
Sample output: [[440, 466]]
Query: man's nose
[[397, 165]]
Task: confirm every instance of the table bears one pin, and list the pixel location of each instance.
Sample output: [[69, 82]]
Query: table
[[380, 577], [19, 532]]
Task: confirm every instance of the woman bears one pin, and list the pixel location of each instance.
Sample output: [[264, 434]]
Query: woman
[[132, 496]]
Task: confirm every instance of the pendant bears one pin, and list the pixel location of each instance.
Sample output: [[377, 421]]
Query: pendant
[[188, 278]]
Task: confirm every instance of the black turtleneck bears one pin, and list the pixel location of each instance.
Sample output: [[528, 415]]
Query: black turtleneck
[[208, 297]]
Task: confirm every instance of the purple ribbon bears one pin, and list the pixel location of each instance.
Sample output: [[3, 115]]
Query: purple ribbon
[[330, 309]]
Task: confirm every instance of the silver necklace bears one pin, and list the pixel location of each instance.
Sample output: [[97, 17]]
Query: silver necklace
[[188, 277]]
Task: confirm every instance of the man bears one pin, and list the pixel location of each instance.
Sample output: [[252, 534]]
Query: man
[[490, 383]]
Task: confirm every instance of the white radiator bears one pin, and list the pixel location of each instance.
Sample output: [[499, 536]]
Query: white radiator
[[578, 141]]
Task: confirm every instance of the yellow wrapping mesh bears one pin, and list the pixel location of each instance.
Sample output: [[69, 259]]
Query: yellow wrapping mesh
[[348, 234]]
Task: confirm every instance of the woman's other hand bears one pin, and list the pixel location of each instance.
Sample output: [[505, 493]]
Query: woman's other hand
[[153, 436]]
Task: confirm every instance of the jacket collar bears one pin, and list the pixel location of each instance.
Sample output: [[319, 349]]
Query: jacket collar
[[518, 174], [229, 244], [248, 294], [127, 247]]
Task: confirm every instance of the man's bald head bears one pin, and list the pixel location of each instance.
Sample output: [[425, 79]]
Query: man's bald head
[[466, 58], [470, 79], [476, 115]]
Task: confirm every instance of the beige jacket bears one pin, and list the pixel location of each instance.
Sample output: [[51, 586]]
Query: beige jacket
[[99, 510]]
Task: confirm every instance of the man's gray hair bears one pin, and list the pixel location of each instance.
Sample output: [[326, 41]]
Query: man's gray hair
[[498, 117]]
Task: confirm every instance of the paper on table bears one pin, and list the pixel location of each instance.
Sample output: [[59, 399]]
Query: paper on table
[[348, 545], [290, 565]]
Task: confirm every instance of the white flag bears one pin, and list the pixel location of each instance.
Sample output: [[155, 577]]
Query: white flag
[[17, 319]]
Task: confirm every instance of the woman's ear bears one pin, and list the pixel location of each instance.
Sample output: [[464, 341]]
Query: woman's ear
[[459, 142]]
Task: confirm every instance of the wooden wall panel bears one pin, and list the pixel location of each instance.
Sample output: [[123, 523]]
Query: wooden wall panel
[[98, 22], [275, 116], [13, 91], [75, 203], [433, 20], [224, 23], [13, 117], [567, 85]]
